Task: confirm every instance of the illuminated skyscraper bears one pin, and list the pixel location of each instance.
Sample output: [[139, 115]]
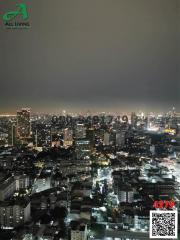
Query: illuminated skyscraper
[[23, 123], [68, 137], [42, 134], [12, 133], [80, 131], [83, 148]]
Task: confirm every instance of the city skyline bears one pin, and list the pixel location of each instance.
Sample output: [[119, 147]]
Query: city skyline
[[123, 56], [88, 111]]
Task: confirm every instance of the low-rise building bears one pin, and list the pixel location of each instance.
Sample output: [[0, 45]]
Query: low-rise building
[[78, 231]]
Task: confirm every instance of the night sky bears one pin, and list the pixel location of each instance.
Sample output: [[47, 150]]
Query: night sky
[[113, 55]]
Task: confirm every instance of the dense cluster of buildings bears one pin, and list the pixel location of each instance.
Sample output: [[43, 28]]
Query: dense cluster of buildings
[[86, 176]]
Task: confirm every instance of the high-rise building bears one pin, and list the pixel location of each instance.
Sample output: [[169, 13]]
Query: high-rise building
[[83, 148], [13, 213], [90, 135], [67, 137], [23, 123], [106, 140], [101, 133], [112, 139], [126, 194], [120, 138], [133, 119], [7, 188], [80, 131], [12, 133], [22, 182], [12, 184], [42, 134]]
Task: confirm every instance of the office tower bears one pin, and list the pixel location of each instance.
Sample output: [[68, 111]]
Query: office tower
[[67, 137], [152, 149], [7, 188], [106, 140], [112, 139], [116, 125], [12, 133], [101, 133], [80, 131], [120, 138], [83, 149], [90, 135], [23, 123], [56, 136], [125, 194], [12, 184], [22, 182], [133, 119], [42, 134]]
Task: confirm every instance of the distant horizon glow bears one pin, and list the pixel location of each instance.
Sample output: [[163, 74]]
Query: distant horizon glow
[[109, 110]]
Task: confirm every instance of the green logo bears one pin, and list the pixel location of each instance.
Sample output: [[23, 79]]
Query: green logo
[[22, 11], [11, 19]]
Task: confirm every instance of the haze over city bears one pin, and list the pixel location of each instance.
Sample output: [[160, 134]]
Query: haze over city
[[98, 55]]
